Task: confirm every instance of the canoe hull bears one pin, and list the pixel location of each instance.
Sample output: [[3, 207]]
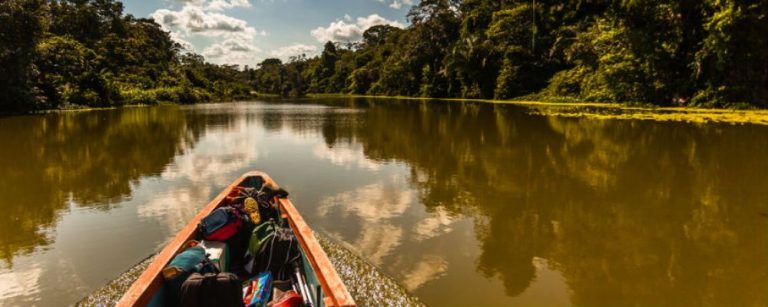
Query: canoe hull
[[322, 277]]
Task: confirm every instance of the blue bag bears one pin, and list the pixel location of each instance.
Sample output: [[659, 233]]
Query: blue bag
[[220, 225]]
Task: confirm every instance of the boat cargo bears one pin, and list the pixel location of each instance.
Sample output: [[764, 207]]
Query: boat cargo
[[245, 237]]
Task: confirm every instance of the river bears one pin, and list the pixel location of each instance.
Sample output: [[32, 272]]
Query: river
[[461, 203]]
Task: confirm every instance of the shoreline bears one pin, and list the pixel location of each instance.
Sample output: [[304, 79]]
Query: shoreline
[[592, 110], [81, 108], [603, 111]]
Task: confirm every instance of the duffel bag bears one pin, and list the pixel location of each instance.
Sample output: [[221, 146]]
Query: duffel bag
[[220, 225], [191, 260], [211, 289]]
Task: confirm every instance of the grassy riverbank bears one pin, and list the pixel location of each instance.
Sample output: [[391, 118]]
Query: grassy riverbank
[[597, 110], [592, 110]]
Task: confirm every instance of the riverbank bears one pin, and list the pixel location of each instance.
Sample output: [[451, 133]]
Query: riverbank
[[593, 110], [597, 110], [145, 98]]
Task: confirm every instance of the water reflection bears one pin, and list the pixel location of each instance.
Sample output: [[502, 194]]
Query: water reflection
[[463, 204], [628, 211], [89, 158]]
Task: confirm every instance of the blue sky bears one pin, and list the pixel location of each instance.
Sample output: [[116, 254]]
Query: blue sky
[[245, 32]]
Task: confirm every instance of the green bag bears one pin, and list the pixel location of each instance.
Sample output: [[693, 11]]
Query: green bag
[[260, 235]]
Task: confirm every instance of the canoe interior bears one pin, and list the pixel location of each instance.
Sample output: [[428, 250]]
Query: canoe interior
[[323, 281]]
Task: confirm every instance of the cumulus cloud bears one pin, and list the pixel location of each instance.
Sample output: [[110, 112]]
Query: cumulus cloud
[[232, 51], [284, 53], [220, 5], [195, 20], [346, 31], [183, 42], [233, 39], [398, 4], [195, 2]]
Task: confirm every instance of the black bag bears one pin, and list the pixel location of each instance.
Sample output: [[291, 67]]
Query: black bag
[[265, 198], [211, 289], [278, 254], [191, 260]]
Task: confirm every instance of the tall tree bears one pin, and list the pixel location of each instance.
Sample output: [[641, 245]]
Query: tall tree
[[21, 27]]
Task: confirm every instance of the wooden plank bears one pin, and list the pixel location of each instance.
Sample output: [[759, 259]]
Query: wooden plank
[[335, 290]]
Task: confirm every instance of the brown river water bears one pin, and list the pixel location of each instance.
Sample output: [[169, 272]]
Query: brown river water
[[461, 204]]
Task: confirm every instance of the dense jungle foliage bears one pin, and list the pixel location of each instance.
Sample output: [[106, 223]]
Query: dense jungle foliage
[[709, 53], [683, 52], [58, 53]]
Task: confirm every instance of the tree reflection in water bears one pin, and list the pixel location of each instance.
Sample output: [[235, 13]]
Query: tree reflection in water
[[628, 212], [651, 213], [90, 158]]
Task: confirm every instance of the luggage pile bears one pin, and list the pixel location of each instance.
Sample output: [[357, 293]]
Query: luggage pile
[[244, 255]]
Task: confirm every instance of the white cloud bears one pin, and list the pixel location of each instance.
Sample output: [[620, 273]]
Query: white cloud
[[183, 42], [284, 53], [233, 38], [195, 2], [342, 31], [195, 20], [220, 5], [231, 51], [398, 4]]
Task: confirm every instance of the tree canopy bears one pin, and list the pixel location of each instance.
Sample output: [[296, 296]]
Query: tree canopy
[[683, 53], [690, 53], [87, 52]]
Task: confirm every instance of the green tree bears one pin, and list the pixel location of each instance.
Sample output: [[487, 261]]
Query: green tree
[[21, 27], [730, 66]]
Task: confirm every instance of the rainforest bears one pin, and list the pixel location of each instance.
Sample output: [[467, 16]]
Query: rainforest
[[710, 53]]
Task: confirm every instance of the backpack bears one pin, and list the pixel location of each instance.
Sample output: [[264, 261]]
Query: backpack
[[260, 235], [220, 225], [276, 248], [211, 289]]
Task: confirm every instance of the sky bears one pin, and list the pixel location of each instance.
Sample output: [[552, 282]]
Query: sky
[[245, 32]]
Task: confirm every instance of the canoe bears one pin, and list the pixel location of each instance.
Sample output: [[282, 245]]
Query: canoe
[[323, 281]]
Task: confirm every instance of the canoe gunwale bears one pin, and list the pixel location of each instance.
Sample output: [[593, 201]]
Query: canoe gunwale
[[335, 290], [150, 281]]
